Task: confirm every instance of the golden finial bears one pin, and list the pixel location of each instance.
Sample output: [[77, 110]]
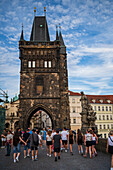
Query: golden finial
[[44, 9], [34, 9]]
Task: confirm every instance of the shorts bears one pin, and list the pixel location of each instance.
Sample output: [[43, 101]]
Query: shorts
[[88, 143], [34, 147], [94, 142], [71, 141], [56, 150], [64, 142], [110, 149], [27, 146], [44, 138], [16, 148], [49, 143], [3, 139]]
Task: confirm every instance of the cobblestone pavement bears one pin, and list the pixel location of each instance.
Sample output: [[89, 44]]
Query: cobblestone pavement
[[67, 162]]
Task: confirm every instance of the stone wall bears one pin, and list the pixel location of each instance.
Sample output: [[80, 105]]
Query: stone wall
[[102, 145]]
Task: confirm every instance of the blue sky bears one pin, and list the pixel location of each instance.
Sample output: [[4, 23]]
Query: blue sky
[[87, 28]]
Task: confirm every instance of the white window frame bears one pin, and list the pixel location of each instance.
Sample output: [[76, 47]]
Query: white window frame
[[49, 64], [29, 64], [33, 64], [45, 64]]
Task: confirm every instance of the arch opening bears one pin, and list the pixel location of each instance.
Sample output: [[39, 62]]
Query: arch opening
[[40, 118]]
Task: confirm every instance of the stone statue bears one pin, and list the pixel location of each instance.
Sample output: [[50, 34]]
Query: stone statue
[[88, 116]]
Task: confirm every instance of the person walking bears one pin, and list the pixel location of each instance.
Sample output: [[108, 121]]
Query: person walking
[[57, 144], [44, 136], [64, 135], [9, 142], [71, 141], [26, 147], [49, 143], [3, 139], [16, 146], [34, 142], [94, 142], [110, 147], [88, 143], [79, 141]]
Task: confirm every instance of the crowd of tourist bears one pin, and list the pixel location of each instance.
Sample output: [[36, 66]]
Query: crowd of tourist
[[56, 141]]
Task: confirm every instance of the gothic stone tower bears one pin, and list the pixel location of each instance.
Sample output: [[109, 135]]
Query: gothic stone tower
[[43, 76]]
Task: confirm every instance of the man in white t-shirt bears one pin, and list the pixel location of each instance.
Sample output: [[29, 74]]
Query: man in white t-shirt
[[64, 135]]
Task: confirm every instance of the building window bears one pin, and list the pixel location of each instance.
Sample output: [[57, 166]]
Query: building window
[[49, 63], [104, 126], [29, 64], [111, 126], [73, 109], [110, 108], [74, 120], [45, 64], [100, 126], [99, 117], [73, 100], [103, 117], [33, 64], [106, 108], [104, 135], [95, 108], [98, 108], [102, 108], [107, 117], [110, 117], [107, 126]]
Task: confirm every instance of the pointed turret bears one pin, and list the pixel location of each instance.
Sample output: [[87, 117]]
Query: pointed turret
[[40, 29], [57, 37], [62, 45], [22, 34]]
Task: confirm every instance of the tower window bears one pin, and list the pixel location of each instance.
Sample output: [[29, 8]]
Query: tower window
[[45, 64], [37, 63], [33, 64], [49, 63], [29, 64]]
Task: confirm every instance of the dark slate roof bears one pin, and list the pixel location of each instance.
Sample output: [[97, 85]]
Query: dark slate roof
[[22, 36], [62, 45], [40, 29]]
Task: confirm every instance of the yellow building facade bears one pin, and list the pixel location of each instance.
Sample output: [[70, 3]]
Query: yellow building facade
[[103, 106]]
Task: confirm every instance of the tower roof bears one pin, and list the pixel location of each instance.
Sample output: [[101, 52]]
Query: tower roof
[[22, 34], [40, 29]]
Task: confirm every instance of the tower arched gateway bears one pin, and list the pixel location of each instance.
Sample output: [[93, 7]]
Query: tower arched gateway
[[43, 76]]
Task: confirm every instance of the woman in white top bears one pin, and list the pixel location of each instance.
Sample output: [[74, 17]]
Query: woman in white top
[[110, 147], [94, 142], [88, 143], [49, 143]]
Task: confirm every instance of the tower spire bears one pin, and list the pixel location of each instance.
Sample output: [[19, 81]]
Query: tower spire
[[57, 37], [45, 22], [22, 34], [60, 37]]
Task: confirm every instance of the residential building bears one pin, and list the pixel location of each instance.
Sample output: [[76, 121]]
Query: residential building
[[103, 106], [75, 110]]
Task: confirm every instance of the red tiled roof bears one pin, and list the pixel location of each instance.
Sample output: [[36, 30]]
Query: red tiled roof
[[98, 98], [74, 93]]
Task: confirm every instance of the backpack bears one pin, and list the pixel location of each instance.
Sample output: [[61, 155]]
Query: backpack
[[80, 137], [36, 143]]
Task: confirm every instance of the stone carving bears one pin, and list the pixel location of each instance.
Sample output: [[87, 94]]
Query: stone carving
[[88, 116]]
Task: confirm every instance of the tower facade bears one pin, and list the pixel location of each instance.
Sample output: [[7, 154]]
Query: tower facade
[[43, 76]]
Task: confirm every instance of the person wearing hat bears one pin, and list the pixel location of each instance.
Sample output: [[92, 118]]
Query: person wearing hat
[[110, 147], [34, 142]]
